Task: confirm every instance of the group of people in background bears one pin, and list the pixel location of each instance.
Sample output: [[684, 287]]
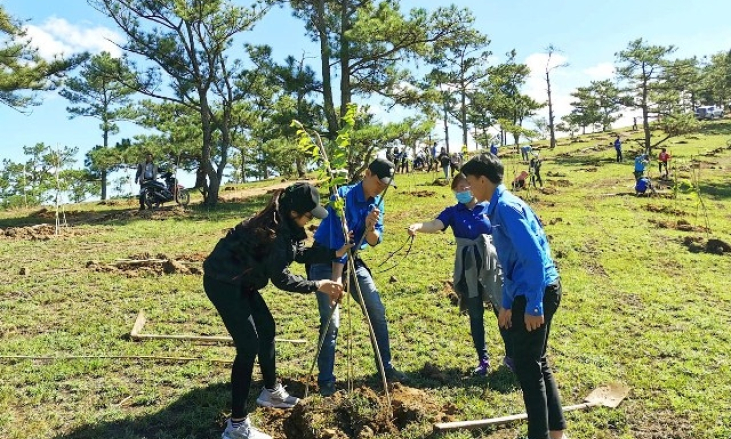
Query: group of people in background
[[643, 183], [502, 258], [426, 159]]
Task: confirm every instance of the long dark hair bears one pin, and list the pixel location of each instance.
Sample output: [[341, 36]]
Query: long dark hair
[[264, 224]]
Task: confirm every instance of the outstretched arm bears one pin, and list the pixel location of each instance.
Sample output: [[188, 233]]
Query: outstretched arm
[[432, 226]]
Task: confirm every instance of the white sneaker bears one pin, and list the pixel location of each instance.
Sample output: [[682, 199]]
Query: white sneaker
[[243, 431], [278, 398]]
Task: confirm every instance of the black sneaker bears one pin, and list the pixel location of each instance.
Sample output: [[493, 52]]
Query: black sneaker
[[393, 375], [327, 389]]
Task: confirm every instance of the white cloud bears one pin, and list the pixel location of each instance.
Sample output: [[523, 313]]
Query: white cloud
[[600, 71], [57, 36]]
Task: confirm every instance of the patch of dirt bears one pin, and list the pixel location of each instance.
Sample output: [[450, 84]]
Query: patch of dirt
[[449, 293], [698, 244], [681, 224], [593, 149], [559, 183], [361, 414], [555, 221], [555, 174], [422, 194], [41, 232], [589, 169], [714, 152], [440, 182], [664, 209], [146, 264], [548, 190]]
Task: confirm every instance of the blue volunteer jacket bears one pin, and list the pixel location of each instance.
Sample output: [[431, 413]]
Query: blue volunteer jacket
[[522, 249], [357, 207]]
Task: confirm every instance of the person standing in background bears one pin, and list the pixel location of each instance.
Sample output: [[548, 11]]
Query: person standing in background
[[146, 171]]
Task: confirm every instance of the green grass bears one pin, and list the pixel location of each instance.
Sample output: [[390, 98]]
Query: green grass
[[638, 307]]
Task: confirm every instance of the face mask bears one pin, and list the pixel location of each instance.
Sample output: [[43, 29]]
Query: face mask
[[464, 197]]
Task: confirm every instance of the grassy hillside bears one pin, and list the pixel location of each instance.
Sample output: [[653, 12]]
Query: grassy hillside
[[647, 302]]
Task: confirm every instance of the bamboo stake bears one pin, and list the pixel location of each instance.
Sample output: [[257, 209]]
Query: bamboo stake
[[112, 357], [136, 334]]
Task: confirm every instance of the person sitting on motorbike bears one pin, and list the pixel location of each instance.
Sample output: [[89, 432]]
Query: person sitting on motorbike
[[146, 172]]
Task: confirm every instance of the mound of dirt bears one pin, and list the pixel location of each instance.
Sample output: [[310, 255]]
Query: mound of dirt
[[440, 182], [664, 209], [146, 264], [449, 293], [714, 152], [361, 414], [681, 224], [41, 232], [548, 190], [422, 194], [559, 183], [555, 174], [698, 244]]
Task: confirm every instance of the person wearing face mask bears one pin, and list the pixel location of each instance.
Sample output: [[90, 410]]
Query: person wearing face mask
[[477, 274]]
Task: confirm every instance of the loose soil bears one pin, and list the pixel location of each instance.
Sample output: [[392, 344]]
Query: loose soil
[[681, 224], [698, 244], [664, 209], [146, 264], [449, 293], [42, 232], [559, 183], [360, 414], [422, 194]]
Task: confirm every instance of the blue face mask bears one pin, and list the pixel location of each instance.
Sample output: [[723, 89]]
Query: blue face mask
[[464, 197]]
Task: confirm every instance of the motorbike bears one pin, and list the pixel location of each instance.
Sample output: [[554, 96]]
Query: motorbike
[[155, 193]]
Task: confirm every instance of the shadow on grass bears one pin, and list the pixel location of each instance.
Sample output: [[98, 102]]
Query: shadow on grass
[[235, 210], [583, 160], [193, 415], [720, 127], [716, 190]]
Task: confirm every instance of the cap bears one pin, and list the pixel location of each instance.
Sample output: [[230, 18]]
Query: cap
[[384, 169], [303, 198]]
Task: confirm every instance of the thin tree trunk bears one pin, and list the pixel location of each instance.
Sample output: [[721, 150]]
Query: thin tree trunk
[[645, 112], [446, 127], [550, 112], [463, 116], [104, 184], [327, 93]]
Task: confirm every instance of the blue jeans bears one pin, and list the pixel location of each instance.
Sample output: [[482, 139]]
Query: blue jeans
[[476, 311], [376, 312]]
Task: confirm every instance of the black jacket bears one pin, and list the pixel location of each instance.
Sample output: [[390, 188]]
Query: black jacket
[[240, 258]]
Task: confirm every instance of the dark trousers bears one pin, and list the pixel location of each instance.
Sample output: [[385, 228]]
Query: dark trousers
[[540, 393], [661, 165], [619, 155], [251, 325], [536, 176]]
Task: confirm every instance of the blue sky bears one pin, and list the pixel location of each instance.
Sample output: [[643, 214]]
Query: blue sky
[[588, 32]]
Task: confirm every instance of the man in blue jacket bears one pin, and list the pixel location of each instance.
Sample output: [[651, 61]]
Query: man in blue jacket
[[531, 292], [364, 215]]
